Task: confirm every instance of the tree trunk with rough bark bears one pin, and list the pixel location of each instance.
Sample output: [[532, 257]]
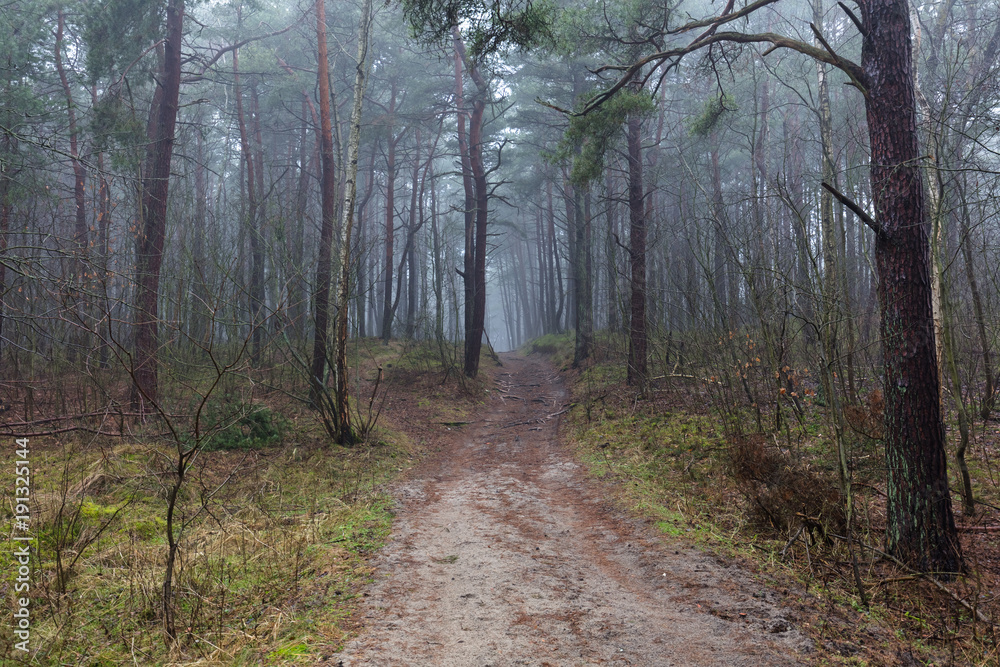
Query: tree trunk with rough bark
[[328, 195], [637, 372], [475, 259], [390, 217], [155, 186], [921, 527]]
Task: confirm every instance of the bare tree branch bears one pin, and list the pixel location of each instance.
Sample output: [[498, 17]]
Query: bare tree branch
[[855, 208]]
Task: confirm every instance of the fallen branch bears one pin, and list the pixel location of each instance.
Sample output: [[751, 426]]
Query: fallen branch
[[792, 541], [978, 529], [929, 577], [530, 421]]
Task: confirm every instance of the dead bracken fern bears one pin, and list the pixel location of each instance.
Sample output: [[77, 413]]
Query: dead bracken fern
[[867, 420], [783, 494]]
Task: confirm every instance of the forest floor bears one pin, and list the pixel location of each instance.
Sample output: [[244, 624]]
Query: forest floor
[[505, 552], [532, 516]]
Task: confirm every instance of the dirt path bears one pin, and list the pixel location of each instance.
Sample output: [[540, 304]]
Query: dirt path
[[504, 554]]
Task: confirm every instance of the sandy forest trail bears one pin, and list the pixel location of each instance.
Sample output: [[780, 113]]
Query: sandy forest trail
[[503, 553]]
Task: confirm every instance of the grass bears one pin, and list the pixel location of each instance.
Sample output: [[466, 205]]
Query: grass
[[665, 462], [667, 452], [274, 560], [278, 529]]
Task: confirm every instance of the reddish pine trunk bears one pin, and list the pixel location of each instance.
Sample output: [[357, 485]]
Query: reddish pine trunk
[[155, 186], [921, 528], [321, 307]]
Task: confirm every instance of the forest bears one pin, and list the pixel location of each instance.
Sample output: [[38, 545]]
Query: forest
[[260, 258]]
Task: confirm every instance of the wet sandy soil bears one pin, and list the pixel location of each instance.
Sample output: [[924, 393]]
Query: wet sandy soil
[[503, 553]]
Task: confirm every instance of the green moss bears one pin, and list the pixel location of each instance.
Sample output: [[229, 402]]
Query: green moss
[[558, 347], [290, 652], [244, 427]]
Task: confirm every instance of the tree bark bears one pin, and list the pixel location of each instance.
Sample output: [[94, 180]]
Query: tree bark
[[921, 527], [556, 279], [328, 192], [345, 433], [155, 185], [720, 263], [411, 252], [469, 210], [251, 220], [637, 256], [78, 266], [79, 171], [390, 217], [475, 237]]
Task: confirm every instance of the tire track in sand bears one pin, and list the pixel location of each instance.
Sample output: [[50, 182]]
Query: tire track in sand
[[503, 553]]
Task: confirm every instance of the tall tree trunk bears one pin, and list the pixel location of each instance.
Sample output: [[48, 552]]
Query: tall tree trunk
[[258, 240], [989, 391], [556, 280], [581, 278], [544, 305], [251, 223], [611, 253], [469, 210], [438, 260], [346, 434], [831, 298], [476, 326], [637, 256], [79, 270], [297, 285], [80, 236], [921, 527], [200, 309], [411, 246], [328, 193], [475, 339], [103, 242], [388, 310], [720, 263], [363, 255], [155, 186]]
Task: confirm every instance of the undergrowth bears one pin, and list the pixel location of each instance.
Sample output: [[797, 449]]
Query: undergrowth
[[278, 528], [686, 452]]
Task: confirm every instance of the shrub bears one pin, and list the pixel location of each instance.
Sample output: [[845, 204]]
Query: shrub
[[249, 428], [782, 493]]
